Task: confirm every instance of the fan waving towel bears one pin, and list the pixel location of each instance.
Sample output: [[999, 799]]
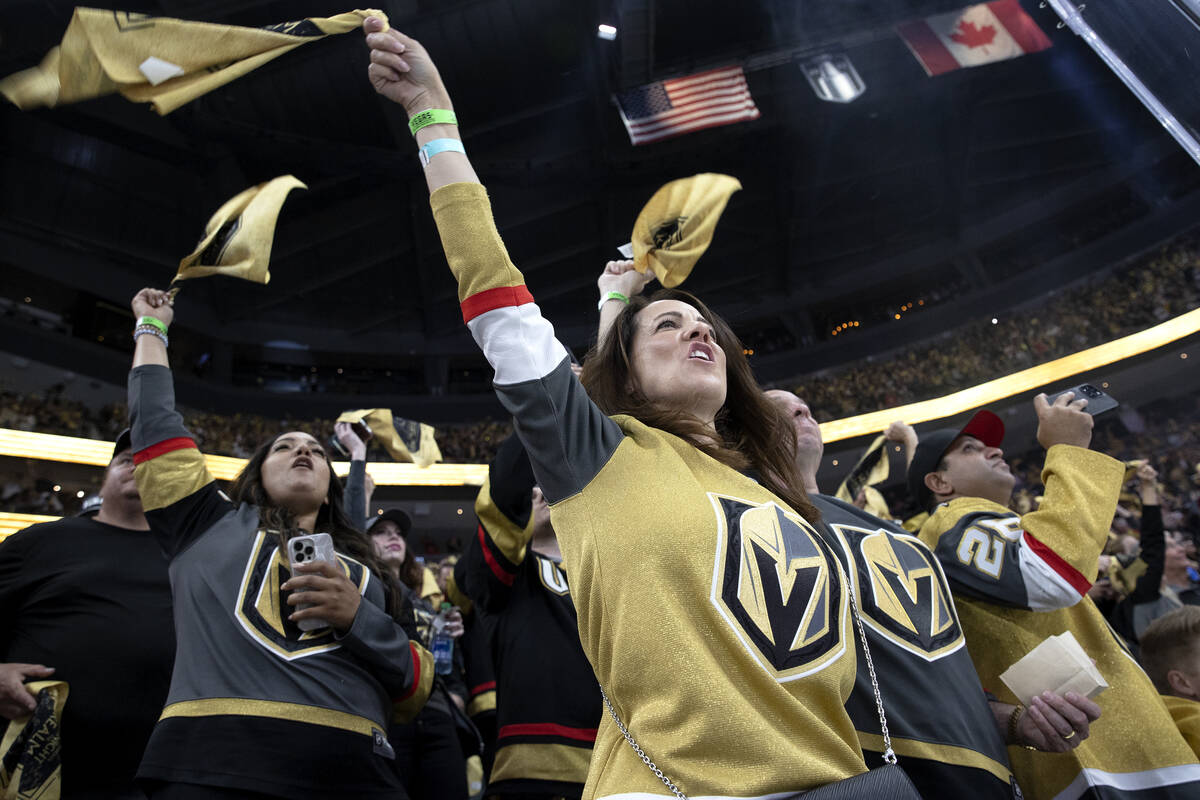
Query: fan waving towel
[[404, 439], [677, 225], [31, 749], [159, 60], [871, 469], [237, 240]]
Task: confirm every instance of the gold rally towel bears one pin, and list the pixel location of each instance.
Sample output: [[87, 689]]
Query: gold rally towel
[[404, 439], [871, 470], [159, 60], [677, 225], [237, 240], [31, 750]]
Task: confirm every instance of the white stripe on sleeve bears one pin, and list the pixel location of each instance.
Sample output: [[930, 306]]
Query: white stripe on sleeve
[[518, 342]]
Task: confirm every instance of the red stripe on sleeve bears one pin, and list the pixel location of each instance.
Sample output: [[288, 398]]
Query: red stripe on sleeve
[[162, 448], [1056, 562], [502, 575], [483, 687], [490, 300], [416, 681], [547, 729], [927, 47], [1020, 26]]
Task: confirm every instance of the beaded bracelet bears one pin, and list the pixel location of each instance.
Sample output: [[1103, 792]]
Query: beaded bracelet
[[151, 331]]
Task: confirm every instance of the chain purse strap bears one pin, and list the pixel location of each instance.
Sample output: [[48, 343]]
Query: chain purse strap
[[889, 755]]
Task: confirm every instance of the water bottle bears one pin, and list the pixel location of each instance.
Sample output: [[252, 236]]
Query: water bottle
[[443, 644]]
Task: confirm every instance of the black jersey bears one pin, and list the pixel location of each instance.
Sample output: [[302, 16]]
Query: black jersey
[[938, 716], [547, 699]]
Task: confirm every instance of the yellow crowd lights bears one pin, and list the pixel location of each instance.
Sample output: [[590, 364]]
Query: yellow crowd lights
[[11, 523], [48, 447], [1016, 383]]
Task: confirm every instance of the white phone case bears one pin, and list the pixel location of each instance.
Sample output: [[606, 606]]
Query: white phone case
[[305, 550]]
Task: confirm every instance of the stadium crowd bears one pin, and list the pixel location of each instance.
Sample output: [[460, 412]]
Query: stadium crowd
[[1144, 293], [660, 599]]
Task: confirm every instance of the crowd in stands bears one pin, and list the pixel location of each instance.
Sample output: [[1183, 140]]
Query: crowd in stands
[[1145, 293], [219, 434]]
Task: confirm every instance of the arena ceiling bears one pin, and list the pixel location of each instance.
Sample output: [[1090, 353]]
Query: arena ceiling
[[970, 187]]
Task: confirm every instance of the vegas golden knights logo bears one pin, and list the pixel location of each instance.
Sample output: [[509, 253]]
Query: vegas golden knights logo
[[777, 583], [261, 609], [902, 592], [552, 575]]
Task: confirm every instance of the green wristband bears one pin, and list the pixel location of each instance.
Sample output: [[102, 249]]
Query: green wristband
[[432, 116], [612, 296], [153, 321]]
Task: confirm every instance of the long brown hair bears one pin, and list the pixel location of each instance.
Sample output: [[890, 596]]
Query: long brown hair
[[332, 519], [751, 431]]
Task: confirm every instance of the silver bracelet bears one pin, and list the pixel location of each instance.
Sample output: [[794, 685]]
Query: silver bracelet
[[152, 331]]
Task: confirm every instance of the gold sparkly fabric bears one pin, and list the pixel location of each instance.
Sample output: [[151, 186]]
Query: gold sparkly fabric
[[1135, 735]]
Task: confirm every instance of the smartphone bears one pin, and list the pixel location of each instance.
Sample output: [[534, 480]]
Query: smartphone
[[360, 429], [1097, 401], [306, 550]]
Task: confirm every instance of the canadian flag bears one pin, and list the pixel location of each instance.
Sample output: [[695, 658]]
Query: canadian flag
[[975, 35]]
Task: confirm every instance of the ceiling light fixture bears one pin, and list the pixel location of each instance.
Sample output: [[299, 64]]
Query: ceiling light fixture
[[606, 32], [833, 78]]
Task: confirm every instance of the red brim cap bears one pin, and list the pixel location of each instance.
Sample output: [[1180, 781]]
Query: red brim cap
[[986, 427]]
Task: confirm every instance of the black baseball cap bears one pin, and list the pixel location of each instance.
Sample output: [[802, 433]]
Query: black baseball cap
[[984, 426], [124, 442], [396, 515], [91, 506]]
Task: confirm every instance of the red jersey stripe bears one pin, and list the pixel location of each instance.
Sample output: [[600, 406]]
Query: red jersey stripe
[[491, 299], [502, 575], [547, 729], [483, 687], [416, 681], [1059, 565], [163, 447]]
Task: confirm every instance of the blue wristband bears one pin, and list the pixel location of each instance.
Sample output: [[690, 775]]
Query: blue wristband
[[432, 148]]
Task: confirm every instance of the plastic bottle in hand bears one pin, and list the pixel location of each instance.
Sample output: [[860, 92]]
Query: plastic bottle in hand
[[443, 645]]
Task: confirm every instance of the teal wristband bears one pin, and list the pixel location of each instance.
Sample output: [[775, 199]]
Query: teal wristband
[[153, 321], [432, 116], [612, 296], [432, 148]]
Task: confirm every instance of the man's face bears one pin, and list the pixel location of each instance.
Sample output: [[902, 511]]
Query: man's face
[[119, 484], [972, 469], [808, 432]]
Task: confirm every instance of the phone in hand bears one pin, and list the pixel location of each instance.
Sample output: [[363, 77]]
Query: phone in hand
[[1097, 401], [306, 550], [360, 429]]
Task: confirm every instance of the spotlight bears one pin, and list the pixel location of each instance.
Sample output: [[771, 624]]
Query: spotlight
[[606, 32], [995, 321], [833, 78]]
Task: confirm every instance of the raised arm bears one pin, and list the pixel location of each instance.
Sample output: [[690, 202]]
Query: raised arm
[[356, 481], [1154, 547], [617, 283], [179, 495], [568, 439], [1048, 558], [402, 71]]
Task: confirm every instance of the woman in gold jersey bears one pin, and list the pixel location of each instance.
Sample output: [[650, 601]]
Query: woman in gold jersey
[[714, 616]]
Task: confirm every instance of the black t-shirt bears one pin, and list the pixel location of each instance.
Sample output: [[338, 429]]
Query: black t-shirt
[[94, 602]]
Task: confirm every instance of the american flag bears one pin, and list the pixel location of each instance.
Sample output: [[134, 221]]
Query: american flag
[[682, 105]]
